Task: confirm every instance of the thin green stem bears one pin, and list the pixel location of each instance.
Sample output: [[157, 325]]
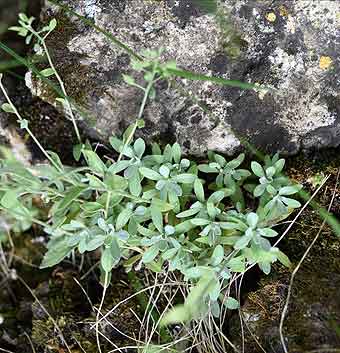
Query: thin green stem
[[60, 81], [107, 204], [29, 64], [147, 91], [146, 95], [15, 111]]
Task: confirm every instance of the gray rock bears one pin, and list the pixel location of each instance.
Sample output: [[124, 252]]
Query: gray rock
[[291, 46]]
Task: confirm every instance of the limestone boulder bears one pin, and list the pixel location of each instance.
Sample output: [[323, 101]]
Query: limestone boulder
[[292, 47]]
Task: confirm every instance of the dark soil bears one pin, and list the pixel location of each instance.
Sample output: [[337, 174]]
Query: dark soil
[[62, 294]]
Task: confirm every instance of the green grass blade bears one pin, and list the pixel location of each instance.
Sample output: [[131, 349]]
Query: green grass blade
[[219, 80], [9, 64], [14, 74], [207, 5], [24, 62]]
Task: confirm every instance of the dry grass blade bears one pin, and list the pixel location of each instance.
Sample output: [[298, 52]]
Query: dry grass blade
[[106, 284], [226, 338], [132, 296], [148, 311], [30, 341], [5, 350]]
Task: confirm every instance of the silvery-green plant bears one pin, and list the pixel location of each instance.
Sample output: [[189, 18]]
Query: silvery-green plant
[[174, 221], [150, 206], [229, 174]]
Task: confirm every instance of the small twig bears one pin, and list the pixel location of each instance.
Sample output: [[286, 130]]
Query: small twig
[[100, 309], [30, 342]]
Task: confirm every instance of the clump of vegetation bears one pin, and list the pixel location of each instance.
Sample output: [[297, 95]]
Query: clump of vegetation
[[148, 206], [154, 209]]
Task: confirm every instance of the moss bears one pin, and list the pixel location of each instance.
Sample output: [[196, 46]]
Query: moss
[[43, 333], [78, 79], [52, 129], [230, 38], [87, 345]]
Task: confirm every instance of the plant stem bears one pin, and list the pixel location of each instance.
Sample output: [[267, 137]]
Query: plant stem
[[140, 114], [99, 310], [26, 128], [107, 204], [60, 81], [146, 94]]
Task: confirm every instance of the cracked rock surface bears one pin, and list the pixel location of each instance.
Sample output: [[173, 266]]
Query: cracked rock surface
[[290, 46]]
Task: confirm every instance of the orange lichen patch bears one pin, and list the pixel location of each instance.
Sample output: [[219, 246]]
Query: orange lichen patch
[[325, 62], [271, 17]]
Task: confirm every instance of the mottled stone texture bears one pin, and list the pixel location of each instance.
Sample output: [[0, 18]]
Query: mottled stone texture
[[291, 46]]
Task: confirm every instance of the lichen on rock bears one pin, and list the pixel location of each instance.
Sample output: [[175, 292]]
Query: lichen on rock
[[283, 45]]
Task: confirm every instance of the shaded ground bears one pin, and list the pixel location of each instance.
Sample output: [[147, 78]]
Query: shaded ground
[[58, 307], [313, 318]]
